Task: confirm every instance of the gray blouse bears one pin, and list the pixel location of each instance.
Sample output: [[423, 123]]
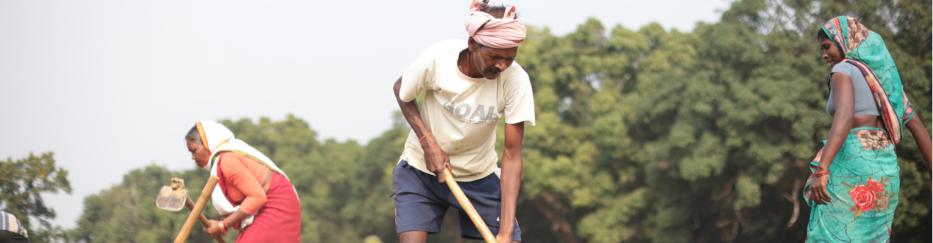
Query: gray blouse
[[864, 101]]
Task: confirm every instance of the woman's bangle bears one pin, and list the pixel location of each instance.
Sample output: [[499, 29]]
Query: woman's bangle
[[820, 173]]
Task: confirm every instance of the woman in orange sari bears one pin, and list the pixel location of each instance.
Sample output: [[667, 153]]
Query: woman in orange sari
[[252, 193]]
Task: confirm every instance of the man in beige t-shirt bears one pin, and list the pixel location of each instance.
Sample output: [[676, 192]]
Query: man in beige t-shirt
[[467, 86]]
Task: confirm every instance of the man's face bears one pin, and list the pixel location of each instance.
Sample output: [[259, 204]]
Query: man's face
[[490, 61]]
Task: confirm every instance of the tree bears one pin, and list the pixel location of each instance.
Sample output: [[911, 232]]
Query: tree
[[656, 135], [343, 188], [645, 135], [23, 182], [127, 213]]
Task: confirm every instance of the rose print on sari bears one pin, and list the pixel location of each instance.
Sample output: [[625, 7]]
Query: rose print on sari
[[869, 196], [873, 139]]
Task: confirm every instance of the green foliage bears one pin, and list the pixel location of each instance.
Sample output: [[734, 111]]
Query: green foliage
[[647, 135], [343, 187], [127, 213], [23, 182], [655, 135]]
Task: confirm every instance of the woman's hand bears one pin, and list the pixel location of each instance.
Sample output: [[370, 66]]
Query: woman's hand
[[818, 191], [214, 228]]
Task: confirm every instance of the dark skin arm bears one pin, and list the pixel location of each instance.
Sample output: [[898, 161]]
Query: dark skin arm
[[922, 137], [435, 158], [843, 94], [511, 180]]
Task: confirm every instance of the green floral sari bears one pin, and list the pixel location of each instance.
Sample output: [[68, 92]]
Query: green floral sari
[[864, 178]]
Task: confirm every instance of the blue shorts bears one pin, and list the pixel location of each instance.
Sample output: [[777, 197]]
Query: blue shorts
[[420, 202]]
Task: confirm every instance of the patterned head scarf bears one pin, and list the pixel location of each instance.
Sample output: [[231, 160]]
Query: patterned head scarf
[[846, 32], [866, 50]]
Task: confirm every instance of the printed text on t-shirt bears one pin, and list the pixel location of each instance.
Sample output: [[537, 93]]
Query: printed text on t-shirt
[[467, 113]]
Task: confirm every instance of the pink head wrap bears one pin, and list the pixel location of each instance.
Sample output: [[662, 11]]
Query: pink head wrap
[[507, 32]]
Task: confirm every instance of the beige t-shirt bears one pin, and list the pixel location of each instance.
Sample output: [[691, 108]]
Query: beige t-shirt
[[461, 111]]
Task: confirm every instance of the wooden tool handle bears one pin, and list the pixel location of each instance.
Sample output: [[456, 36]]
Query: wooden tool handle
[[198, 207], [190, 205], [468, 207]]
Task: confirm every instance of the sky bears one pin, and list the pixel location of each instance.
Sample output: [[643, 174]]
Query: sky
[[112, 86]]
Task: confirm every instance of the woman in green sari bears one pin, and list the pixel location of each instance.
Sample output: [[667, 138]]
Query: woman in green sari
[[855, 180]]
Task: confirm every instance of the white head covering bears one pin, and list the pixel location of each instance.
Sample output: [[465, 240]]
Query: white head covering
[[218, 138]]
